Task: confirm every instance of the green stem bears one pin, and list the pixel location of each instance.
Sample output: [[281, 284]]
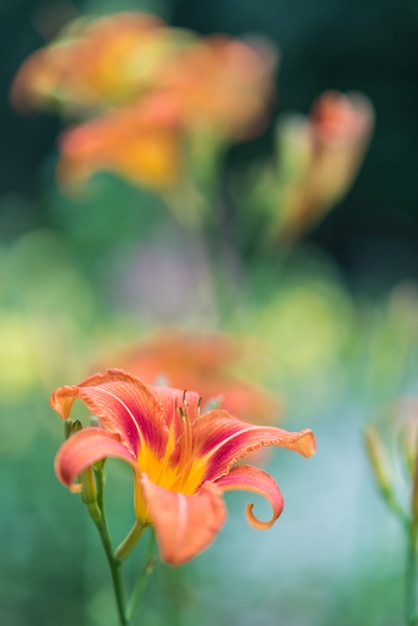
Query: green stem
[[411, 574], [114, 563], [96, 510], [114, 566], [141, 583]]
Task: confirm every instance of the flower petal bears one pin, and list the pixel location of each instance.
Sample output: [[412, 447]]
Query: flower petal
[[123, 404], [184, 525], [250, 478], [225, 440], [85, 448]]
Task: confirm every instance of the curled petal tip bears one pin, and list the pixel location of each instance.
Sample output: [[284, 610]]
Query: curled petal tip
[[248, 478], [62, 401], [259, 524], [303, 442]]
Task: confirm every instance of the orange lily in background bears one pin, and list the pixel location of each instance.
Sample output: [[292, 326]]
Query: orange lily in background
[[141, 142], [165, 100], [204, 361], [223, 85], [95, 64], [220, 83], [182, 461]]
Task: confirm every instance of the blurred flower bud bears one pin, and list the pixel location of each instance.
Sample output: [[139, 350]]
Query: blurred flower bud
[[414, 495], [319, 157], [89, 488], [378, 460], [341, 126]]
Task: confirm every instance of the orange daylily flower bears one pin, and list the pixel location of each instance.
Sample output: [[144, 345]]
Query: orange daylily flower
[[223, 85], [203, 361], [163, 96], [142, 143], [96, 64], [182, 461]]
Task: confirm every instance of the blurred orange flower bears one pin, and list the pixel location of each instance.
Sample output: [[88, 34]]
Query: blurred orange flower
[[141, 143], [183, 461], [223, 85], [96, 64], [165, 97], [201, 361], [219, 83]]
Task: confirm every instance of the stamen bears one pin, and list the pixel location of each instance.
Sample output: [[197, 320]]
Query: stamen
[[185, 460], [185, 404]]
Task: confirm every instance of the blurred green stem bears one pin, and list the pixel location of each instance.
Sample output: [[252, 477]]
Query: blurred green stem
[[142, 580], [411, 574]]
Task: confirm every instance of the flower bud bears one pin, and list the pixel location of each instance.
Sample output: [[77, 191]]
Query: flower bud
[[88, 481], [71, 427], [414, 473], [409, 442], [378, 460], [87, 478], [67, 428]]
